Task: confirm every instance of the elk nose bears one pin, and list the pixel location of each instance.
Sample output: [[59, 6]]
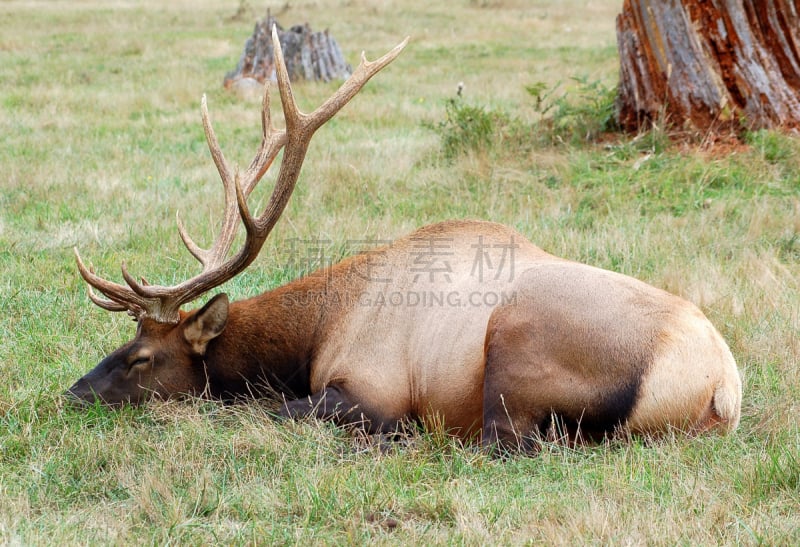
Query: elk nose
[[79, 396]]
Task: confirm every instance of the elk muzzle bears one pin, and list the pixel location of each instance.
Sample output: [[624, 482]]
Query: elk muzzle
[[108, 383]]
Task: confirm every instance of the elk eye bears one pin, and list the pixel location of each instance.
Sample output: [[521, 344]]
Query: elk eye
[[140, 362]]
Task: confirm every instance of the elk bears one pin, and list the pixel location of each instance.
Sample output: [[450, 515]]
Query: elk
[[465, 323]]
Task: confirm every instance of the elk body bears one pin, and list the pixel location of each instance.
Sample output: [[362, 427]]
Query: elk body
[[463, 322]]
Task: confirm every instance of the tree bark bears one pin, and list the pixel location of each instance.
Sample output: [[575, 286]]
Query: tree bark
[[309, 55], [709, 64]]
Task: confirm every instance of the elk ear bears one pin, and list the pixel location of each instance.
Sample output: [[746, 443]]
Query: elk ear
[[207, 324]]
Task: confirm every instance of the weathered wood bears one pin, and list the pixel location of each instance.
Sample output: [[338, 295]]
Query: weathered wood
[[706, 64], [309, 55]]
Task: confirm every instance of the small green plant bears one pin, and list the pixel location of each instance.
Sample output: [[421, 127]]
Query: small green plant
[[579, 115], [568, 118], [542, 92], [467, 127], [771, 145]]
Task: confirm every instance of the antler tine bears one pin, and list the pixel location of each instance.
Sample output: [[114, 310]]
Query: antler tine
[[213, 143], [120, 298], [364, 71], [109, 305], [199, 253], [163, 303], [272, 140]]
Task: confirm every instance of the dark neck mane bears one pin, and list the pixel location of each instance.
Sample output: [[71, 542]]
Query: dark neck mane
[[268, 343]]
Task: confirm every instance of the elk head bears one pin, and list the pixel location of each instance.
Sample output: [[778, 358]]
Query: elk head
[[166, 355]]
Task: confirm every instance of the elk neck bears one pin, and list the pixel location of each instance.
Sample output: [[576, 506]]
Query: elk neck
[[269, 342]]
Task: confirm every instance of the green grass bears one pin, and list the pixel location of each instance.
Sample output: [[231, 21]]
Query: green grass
[[100, 144]]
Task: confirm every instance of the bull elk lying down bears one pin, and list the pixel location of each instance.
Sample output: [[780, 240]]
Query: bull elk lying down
[[464, 322]]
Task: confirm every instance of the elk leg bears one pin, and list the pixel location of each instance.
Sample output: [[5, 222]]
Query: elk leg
[[334, 404], [513, 414], [507, 430]]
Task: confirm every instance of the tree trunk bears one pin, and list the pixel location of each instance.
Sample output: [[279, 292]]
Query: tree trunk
[[309, 55], [709, 64]]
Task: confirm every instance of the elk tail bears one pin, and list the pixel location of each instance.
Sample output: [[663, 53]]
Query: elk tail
[[727, 403]]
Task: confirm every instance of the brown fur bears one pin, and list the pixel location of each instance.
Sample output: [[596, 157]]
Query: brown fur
[[419, 330]]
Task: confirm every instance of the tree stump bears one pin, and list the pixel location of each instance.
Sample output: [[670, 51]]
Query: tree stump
[[709, 64], [309, 55]]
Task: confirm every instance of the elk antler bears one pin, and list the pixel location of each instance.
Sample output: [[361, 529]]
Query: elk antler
[[163, 303]]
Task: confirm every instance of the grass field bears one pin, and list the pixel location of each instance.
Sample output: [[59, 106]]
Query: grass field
[[101, 143]]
